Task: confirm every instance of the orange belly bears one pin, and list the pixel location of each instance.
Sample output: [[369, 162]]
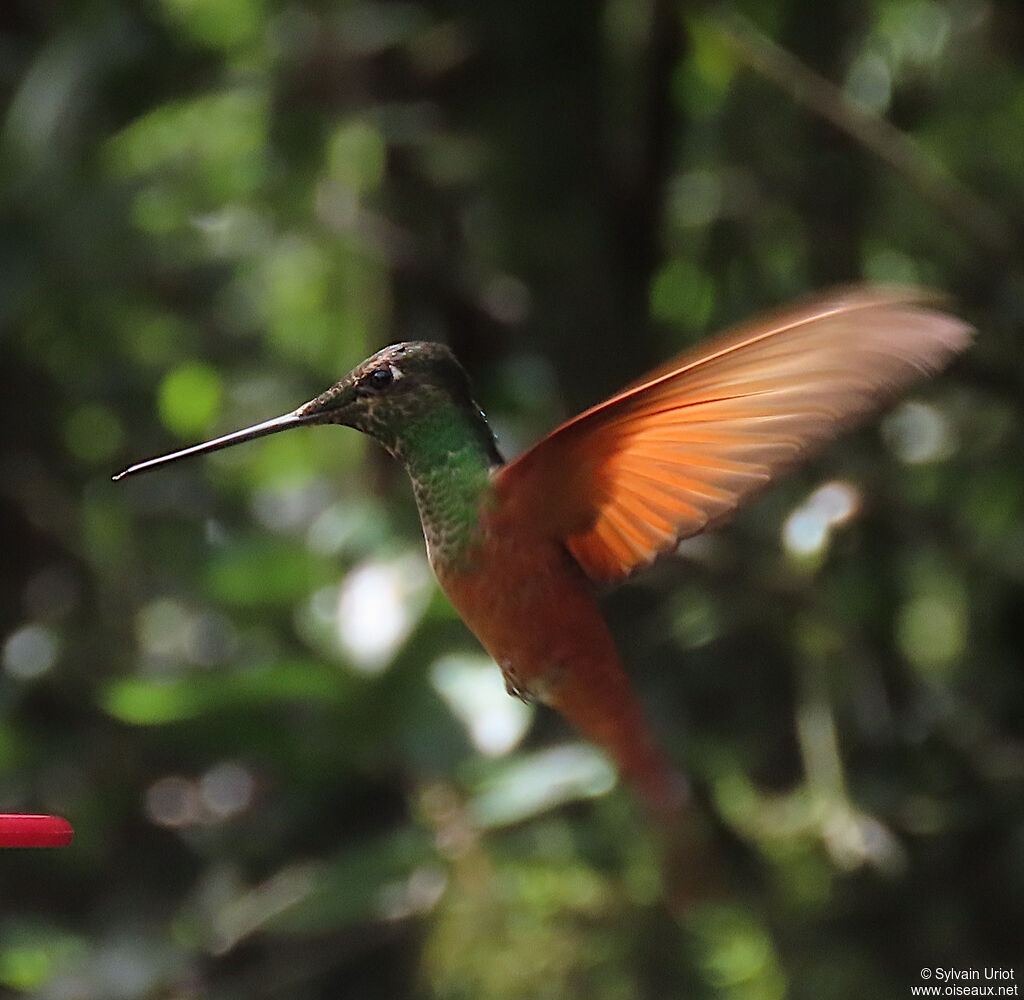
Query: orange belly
[[534, 612]]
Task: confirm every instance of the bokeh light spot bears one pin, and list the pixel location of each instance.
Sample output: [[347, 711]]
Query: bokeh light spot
[[932, 631], [190, 398], [223, 24], [227, 790], [473, 688], [378, 605], [807, 530], [161, 627], [356, 156], [173, 802], [869, 81], [682, 293], [92, 433], [917, 433], [528, 785], [30, 652]]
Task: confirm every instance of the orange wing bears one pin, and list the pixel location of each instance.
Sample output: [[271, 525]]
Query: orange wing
[[698, 437]]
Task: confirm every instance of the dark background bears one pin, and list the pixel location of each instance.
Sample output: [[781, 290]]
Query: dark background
[[211, 209]]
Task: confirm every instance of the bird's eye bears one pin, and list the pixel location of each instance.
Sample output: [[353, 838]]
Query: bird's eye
[[380, 378]]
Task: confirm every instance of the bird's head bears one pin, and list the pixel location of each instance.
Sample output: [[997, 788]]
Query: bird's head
[[398, 396], [398, 393]]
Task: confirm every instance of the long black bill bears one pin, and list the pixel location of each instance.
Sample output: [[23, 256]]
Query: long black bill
[[226, 441]]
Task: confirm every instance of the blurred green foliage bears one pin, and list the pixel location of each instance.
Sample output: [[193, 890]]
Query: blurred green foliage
[[289, 772]]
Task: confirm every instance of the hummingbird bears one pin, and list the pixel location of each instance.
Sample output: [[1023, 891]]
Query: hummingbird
[[522, 548]]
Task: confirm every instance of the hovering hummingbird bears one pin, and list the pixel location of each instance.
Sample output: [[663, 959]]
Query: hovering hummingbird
[[521, 548]]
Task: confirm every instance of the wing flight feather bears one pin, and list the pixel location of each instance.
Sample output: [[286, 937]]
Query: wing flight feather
[[693, 440]]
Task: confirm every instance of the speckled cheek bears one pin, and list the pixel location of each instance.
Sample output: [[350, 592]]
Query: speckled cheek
[[371, 423]]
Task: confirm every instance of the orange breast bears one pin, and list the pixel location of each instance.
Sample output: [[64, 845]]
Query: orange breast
[[534, 612]]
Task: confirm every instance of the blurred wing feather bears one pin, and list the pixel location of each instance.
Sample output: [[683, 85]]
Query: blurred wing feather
[[695, 439]]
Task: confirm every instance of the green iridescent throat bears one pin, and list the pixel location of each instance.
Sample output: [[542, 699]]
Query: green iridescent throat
[[450, 455]]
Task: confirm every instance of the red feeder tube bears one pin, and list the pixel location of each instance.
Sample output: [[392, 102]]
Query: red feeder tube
[[20, 830]]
